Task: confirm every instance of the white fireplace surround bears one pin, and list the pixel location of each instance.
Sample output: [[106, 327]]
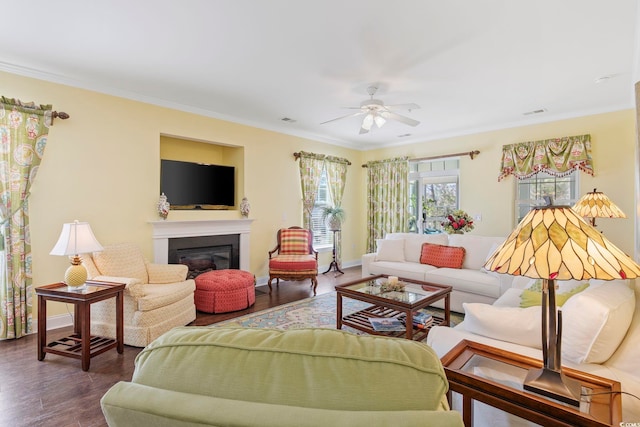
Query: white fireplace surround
[[165, 230]]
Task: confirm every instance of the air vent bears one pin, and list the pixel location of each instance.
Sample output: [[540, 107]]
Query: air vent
[[288, 120], [540, 111]]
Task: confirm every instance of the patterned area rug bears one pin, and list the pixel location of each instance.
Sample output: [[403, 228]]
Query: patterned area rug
[[315, 312]]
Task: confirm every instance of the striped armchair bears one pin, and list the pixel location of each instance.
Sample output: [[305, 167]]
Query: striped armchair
[[294, 257]]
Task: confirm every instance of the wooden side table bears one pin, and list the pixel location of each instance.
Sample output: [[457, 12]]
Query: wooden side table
[[494, 376], [81, 345]]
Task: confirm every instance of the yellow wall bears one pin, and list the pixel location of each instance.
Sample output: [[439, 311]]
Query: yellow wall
[[102, 166], [613, 145]]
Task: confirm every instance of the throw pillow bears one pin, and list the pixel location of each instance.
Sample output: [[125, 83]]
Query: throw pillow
[[413, 245], [594, 322], [294, 241], [512, 324], [530, 297], [390, 250], [442, 256]]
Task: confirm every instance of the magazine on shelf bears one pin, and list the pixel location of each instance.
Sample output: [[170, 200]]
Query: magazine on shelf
[[421, 319], [386, 324]]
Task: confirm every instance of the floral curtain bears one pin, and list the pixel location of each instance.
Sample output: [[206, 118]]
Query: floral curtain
[[388, 182], [311, 166], [336, 177], [557, 157], [23, 137]]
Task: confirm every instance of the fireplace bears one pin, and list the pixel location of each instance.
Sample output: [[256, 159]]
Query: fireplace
[[205, 253], [165, 231]]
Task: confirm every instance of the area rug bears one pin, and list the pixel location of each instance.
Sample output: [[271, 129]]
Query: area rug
[[315, 312]]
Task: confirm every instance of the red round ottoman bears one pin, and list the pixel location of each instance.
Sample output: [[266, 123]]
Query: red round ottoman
[[220, 291]]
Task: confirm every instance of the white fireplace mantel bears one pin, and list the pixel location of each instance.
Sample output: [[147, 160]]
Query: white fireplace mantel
[[165, 230]]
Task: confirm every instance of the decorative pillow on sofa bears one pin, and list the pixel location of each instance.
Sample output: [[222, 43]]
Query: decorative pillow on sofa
[[390, 250], [442, 256], [512, 324], [595, 322], [531, 297], [413, 244]]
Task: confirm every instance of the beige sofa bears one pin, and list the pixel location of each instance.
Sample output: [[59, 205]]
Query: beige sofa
[[158, 297], [601, 336], [200, 376], [399, 255]]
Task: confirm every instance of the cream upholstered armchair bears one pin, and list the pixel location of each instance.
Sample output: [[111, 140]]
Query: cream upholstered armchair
[[158, 297]]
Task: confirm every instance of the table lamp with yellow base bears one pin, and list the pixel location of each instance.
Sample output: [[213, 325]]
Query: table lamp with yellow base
[[76, 238]]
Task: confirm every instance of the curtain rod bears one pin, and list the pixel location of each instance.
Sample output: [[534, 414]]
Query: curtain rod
[[296, 155], [59, 115], [471, 154]]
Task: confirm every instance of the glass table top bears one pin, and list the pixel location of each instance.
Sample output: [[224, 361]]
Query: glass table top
[[510, 375], [413, 292]]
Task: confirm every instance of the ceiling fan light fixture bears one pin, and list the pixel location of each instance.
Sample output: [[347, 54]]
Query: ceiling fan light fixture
[[375, 111], [367, 122]]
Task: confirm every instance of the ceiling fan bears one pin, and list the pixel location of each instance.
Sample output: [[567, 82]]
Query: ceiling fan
[[375, 111]]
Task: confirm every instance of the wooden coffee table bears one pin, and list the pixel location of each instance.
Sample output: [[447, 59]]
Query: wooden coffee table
[[494, 376], [416, 295]]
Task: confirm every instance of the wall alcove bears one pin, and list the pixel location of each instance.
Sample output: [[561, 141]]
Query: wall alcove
[[197, 151]]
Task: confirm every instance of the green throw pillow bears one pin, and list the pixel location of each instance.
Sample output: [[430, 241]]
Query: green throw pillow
[[530, 297]]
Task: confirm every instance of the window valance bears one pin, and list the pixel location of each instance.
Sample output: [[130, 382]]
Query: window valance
[[557, 157]]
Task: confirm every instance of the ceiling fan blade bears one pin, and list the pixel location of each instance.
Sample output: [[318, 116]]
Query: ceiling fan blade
[[359, 113], [402, 119], [363, 130], [402, 107]]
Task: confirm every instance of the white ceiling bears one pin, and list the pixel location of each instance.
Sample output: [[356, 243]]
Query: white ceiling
[[470, 65]]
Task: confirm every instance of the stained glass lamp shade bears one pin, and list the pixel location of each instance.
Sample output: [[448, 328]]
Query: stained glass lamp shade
[[555, 243], [595, 204]]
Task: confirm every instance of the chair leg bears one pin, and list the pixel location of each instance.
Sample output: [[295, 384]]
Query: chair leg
[[314, 283]]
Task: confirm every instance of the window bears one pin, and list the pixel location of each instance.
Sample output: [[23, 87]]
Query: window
[[531, 192], [322, 236], [433, 193]]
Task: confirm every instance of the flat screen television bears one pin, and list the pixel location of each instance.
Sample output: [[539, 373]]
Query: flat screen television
[[190, 185]]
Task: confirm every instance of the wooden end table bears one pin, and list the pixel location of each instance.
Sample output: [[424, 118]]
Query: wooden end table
[[81, 345], [417, 295], [494, 376]]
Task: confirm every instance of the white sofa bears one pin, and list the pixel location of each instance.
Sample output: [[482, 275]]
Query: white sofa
[[399, 255], [601, 336]]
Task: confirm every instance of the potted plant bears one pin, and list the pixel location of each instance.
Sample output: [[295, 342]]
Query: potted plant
[[334, 215]]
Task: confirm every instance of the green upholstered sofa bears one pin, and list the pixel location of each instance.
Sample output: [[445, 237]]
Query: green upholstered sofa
[[195, 376]]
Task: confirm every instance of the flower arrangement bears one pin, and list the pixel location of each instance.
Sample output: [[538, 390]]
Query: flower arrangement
[[458, 222]]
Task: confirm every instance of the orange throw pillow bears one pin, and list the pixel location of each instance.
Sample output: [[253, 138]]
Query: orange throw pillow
[[442, 256]]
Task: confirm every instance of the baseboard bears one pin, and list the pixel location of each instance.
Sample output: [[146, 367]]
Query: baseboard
[[59, 321]]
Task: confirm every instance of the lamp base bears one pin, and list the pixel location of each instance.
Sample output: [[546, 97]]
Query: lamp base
[[75, 277], [553, 384]]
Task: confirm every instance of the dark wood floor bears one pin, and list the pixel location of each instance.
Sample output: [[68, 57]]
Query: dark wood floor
[[56, 392]]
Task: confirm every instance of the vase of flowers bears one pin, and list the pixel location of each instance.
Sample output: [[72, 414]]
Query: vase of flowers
[[458, 222]]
